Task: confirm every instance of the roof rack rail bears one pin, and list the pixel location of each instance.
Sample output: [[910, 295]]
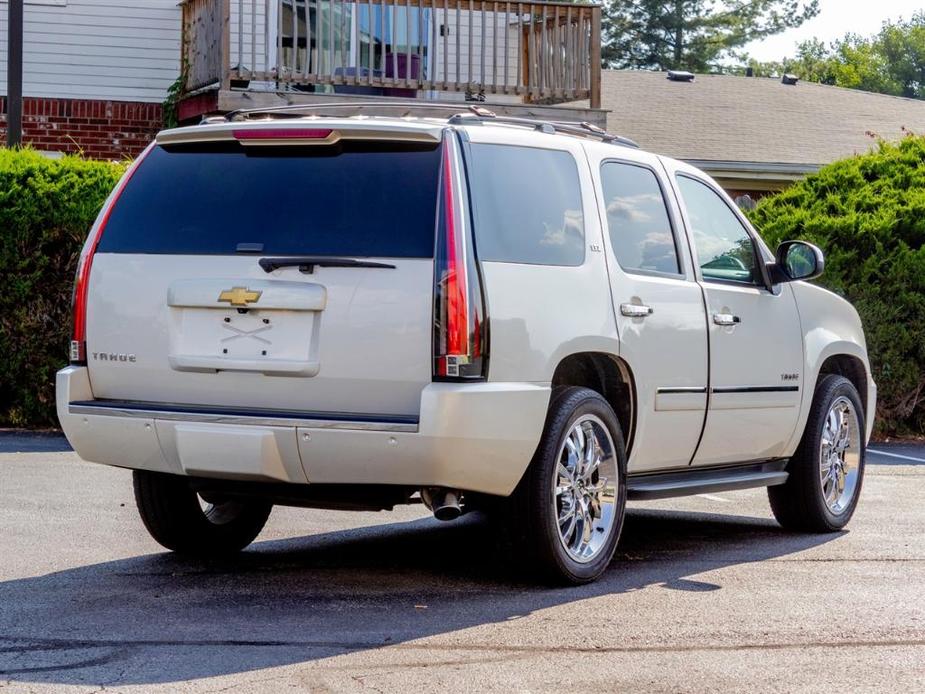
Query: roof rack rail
[[299, 110], [582, 129], [467, 114]]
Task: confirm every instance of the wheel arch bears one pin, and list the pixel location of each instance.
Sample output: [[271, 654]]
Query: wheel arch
[[844, 358], [852, 368], [607, 375]]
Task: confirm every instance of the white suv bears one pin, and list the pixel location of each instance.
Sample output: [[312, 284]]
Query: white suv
[[346, 312]]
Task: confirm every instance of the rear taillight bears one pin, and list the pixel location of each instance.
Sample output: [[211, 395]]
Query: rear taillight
[[78, 351], [459, 309]]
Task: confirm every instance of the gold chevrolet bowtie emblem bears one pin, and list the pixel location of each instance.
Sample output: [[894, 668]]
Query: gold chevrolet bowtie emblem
[[240, 296]]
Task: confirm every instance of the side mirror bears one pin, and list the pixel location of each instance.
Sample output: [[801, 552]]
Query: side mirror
[[797, 260]]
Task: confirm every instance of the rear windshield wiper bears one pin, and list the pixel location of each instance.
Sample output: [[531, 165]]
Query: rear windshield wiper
[[307, 263]]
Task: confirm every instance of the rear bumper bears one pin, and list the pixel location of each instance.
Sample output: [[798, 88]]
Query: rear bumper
[[476, 437]]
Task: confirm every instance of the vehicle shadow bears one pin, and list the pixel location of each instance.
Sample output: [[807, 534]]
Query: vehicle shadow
[[158, 618]]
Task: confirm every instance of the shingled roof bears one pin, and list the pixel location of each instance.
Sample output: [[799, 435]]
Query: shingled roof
[[747, 120]]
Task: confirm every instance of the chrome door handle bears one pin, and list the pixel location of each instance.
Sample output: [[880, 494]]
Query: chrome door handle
[[635, 310], [726, 319]]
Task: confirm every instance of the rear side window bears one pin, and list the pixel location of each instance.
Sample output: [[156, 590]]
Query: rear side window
[[527, 205], [360, 199], [637, 218]]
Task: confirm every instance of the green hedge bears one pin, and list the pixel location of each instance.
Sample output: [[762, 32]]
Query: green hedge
[[867, 213], [47, 207]]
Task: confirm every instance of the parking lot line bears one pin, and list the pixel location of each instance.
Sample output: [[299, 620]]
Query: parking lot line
[[896, 455]]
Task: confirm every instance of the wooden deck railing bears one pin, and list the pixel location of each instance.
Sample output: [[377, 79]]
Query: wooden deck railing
[[541, 51]]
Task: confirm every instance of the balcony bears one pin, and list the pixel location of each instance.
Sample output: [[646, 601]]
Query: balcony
[[521, 58]]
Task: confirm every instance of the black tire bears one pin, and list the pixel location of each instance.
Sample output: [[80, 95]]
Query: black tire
[[799, 504], [531, 515], [172, 513]]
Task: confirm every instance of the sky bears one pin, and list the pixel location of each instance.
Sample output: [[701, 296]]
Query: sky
[[835, 19]]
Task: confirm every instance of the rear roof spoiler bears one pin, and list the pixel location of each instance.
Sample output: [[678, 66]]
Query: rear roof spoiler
[[303, 132]]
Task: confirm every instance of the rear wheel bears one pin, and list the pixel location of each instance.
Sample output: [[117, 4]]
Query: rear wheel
[[827, 471], [183, 521], [567, 512]]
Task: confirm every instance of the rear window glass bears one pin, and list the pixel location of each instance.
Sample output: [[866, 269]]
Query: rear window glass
[[355, 200], [637, 218], [527, 205]]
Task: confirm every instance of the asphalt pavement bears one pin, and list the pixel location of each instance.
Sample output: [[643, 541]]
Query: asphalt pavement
[[706, 594]]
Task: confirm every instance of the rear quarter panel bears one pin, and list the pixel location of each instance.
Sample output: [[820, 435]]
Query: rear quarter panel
[[542, 313]]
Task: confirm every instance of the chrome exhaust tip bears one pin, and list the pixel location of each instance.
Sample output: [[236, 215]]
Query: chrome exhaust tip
[[444, 503]]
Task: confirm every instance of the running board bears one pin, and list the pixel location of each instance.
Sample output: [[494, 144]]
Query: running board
[[666, 485]]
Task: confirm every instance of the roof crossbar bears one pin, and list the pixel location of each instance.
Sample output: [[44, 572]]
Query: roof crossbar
[[466, 115]]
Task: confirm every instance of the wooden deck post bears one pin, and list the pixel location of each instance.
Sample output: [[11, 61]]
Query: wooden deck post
[[225, 62], [595, 57]]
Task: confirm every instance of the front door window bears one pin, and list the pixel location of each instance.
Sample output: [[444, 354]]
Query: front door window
[[725, 250]]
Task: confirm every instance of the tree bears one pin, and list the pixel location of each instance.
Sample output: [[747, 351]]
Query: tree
[[890, 62], [901, 46], [692, 35]]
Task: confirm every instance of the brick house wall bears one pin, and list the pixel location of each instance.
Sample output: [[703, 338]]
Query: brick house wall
[[100, 129]]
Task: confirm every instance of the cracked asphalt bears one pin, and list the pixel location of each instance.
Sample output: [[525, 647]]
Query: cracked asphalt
[[706, 594]]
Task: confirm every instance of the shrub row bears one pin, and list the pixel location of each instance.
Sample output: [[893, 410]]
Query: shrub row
[[867, 213], [47, 206]]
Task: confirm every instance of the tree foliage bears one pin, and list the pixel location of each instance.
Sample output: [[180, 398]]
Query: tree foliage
[[692, 35], [867, 213], [889, 62]]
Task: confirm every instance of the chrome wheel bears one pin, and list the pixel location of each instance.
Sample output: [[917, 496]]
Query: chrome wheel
[[585, 488], [840, 456]]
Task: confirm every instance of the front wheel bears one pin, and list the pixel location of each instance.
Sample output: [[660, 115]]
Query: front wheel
[[827, 470], [185, 522], [567, 512]]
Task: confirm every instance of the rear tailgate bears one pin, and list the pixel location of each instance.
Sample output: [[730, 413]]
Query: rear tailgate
[[181, 311]]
